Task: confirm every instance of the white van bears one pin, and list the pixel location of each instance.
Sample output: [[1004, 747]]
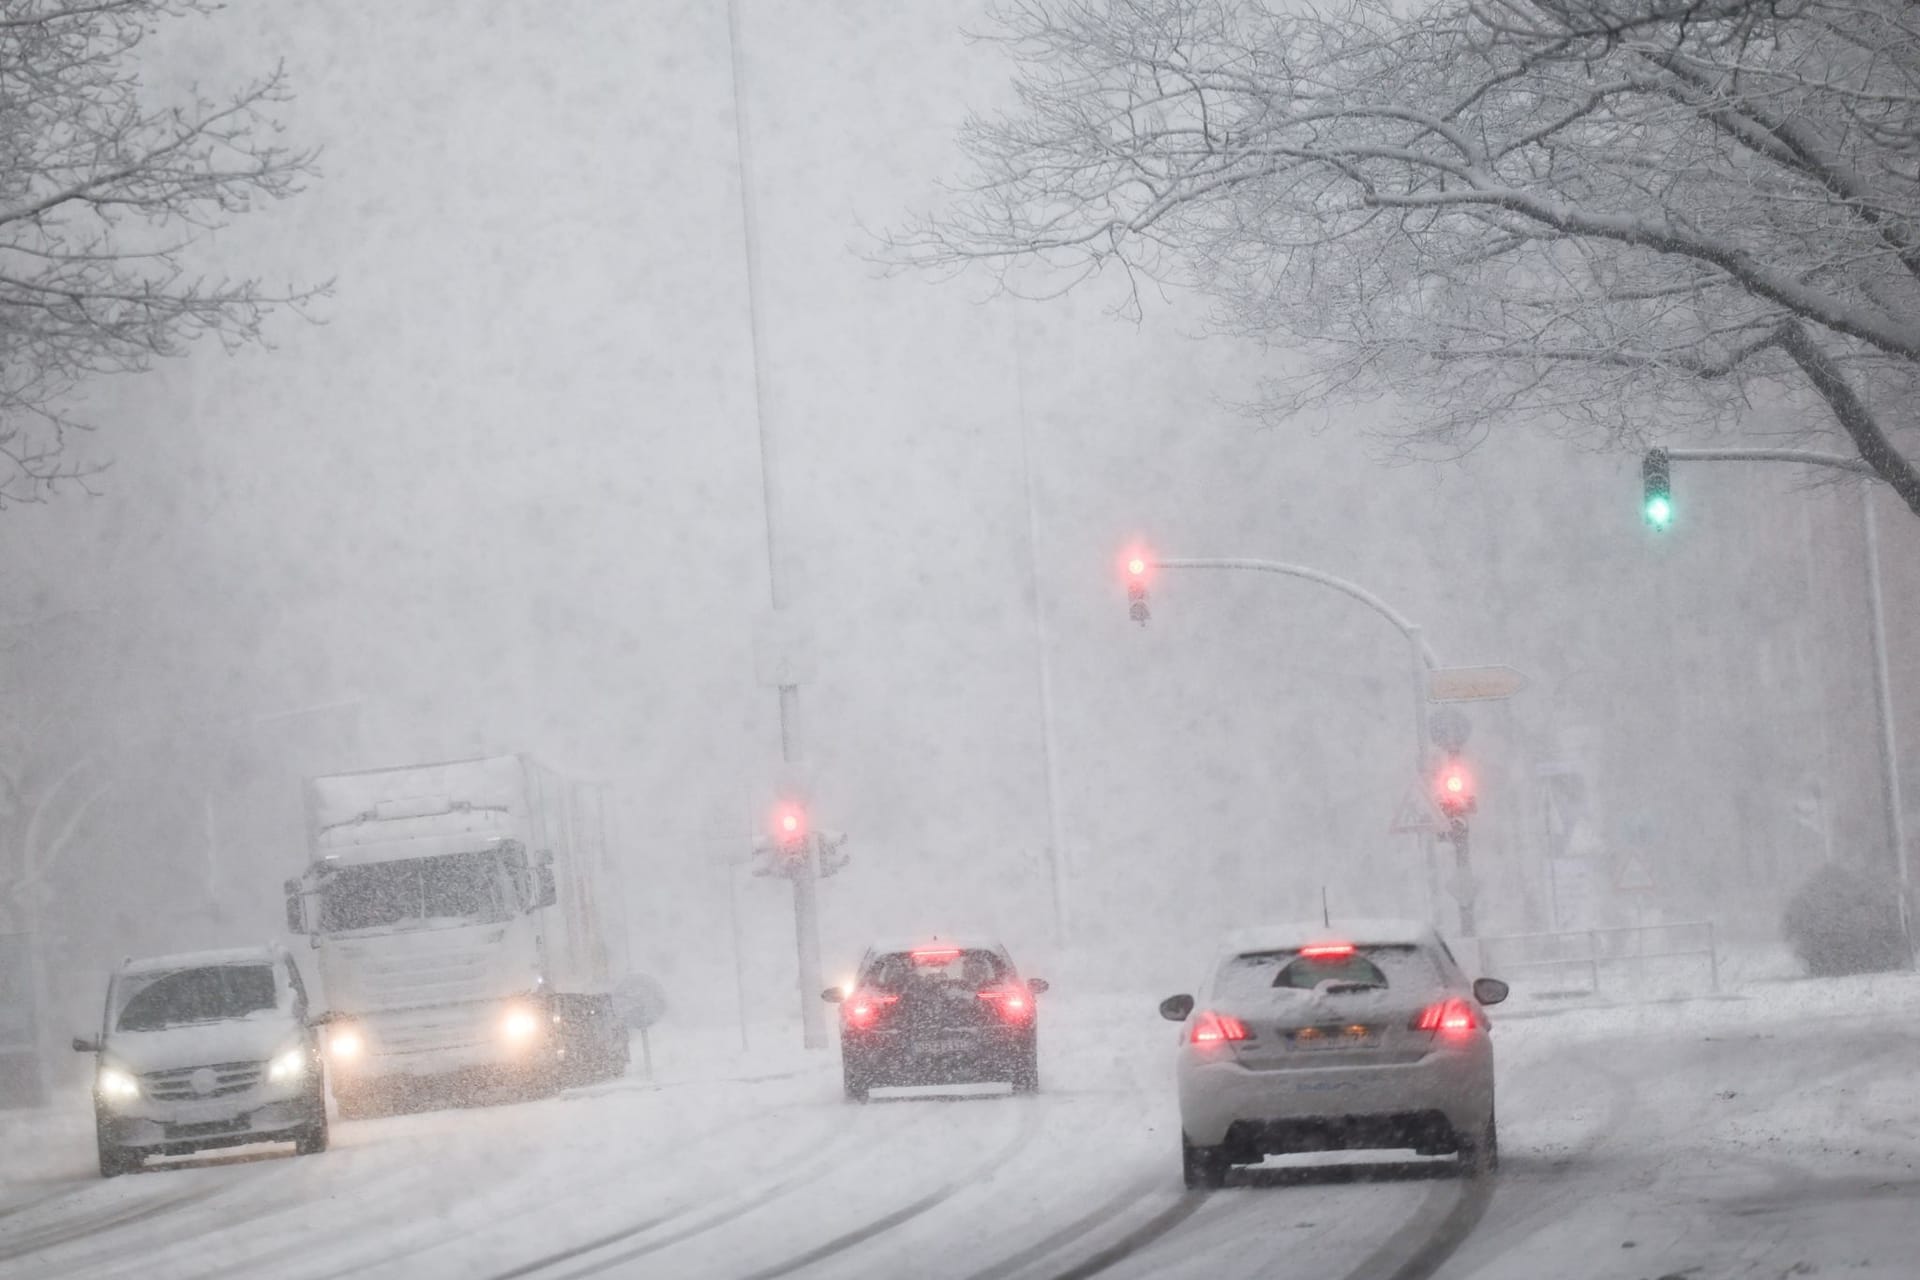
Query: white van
[[209, 1049]]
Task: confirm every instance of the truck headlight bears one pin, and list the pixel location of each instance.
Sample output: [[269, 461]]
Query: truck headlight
[[116, 1085], [291, 1065], [520, 1025], [345, 1044]]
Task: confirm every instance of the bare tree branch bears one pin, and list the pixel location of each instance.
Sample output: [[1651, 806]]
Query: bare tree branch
[[102, 190], [1614, 216]]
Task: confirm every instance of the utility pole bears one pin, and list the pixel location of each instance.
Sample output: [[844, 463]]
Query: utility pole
[[1056, 850], [806, 901]]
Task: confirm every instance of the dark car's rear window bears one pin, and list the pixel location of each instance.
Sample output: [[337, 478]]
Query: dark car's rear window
[[968, 967]]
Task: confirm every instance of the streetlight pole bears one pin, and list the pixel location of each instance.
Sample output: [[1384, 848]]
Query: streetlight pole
[[1877, 641], [1423, 662], [806, 900], [1043, 665], [1883, 704]]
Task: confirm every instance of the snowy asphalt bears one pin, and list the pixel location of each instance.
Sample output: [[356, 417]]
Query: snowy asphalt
[[1770, 1134]]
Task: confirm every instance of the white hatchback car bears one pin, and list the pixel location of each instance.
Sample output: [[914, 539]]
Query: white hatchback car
[[1364, 1034]]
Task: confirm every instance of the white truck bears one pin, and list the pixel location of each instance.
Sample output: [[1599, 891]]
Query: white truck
[[467, 927]]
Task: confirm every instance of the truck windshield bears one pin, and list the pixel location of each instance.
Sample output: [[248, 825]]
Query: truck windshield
[[150, 1001], [464, 888]]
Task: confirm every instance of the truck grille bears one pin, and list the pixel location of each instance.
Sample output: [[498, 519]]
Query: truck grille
[[177, 1085]]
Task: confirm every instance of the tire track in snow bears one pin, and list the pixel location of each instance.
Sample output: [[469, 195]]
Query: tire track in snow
[[23, 1206], [1444, 1219], [823, 1157], [1108, 1209], [981, 1172], [1148, 1232], [87, 1226]]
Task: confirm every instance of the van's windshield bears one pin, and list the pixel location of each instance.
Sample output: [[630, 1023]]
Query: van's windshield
[[213, 993]]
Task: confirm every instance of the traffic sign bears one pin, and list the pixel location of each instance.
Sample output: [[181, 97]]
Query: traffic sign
[[1417, 812], [1449, 728], [1473, 684], [1632, 876]]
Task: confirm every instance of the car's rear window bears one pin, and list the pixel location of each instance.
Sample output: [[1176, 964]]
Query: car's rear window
[[898, 970], [1399, 968]]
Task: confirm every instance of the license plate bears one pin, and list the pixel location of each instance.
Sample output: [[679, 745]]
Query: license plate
[[939, 1046], [206, 1128], [1318, 1038]]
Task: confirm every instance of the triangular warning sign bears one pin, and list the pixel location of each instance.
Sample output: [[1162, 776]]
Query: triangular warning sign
[[1632, 876], [1417, 812]]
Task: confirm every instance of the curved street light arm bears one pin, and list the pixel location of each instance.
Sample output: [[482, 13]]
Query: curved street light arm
[[1406, 626]]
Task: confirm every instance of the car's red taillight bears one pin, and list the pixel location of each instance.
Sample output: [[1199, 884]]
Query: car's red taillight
[[862, 1009], [1014, 1004], [1449, 1017], [1216, 1028]]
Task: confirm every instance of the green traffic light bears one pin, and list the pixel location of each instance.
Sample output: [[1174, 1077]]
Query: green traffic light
[[1659, 511]]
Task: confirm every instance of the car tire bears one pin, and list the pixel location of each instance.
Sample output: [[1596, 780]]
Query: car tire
[[312, 1140], [114, 1160], [1026, 1069], [1203, 1168], [1480, 1153], [855, 1081]]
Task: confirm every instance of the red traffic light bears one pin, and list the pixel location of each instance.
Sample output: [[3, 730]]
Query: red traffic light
[[790, 826], [1453, 789], [1134, 566]]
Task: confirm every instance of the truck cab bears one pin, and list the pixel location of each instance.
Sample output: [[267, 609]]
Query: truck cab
[[445, 957]]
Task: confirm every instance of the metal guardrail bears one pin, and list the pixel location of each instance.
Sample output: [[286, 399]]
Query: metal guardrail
[[1595, 950]]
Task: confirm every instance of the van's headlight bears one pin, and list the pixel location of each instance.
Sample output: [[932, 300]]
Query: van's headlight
[[115, 1085], [289, 1066], [520, 1025]]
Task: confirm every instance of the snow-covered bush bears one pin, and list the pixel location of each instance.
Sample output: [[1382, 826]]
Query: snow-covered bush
[[1846, 920]]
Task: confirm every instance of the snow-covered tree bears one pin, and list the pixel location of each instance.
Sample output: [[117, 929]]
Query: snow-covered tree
[[1614, 216], [103, 183]]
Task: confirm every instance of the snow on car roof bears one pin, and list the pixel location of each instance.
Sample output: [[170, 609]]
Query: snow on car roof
[[1360, 932], [965, 941], [202, 959]]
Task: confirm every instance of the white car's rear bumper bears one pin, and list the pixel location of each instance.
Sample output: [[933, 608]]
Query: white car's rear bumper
[[1216, 1092]]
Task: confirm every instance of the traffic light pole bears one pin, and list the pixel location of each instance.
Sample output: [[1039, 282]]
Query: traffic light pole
[[1458, 835], [806, 902], [1423, 662], [1877, 632]]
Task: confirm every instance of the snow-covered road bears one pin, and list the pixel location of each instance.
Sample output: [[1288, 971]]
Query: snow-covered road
[[1772, 1134]]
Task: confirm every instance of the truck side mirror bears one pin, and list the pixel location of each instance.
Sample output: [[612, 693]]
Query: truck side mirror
[[296, 907], [83, 1045], [545, 892]]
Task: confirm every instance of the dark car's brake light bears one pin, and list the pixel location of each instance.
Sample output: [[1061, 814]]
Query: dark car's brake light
[[862, 1009], [1449, 1017], [1014, 1004], [1216, 1028]]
